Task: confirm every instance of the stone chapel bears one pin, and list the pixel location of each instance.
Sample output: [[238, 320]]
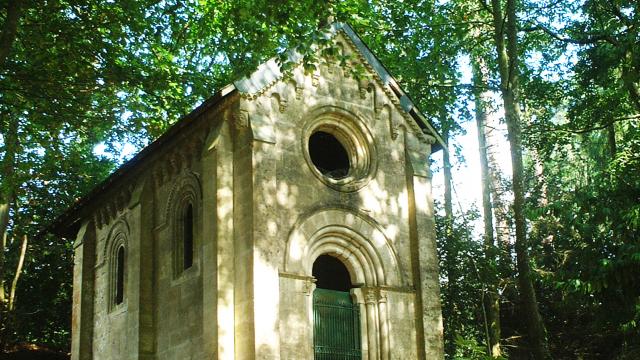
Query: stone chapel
[[289, 216]]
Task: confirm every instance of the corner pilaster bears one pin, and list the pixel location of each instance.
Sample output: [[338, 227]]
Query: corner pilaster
[[83, 292], [257, 295], [140, 274], [210, 287], [424, 252]]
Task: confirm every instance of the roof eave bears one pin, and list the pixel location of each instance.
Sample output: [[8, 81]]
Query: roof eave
[[405, 101], [68, 223]]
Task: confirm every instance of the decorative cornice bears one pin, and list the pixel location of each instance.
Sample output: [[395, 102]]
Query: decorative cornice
[[113, 207], [269, 74], [393, 98]]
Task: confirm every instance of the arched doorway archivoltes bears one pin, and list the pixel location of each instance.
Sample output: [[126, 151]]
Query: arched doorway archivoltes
[[362, 248]]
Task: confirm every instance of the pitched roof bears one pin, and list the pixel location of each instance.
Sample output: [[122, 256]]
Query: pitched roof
[[68, 223], [270, 72]]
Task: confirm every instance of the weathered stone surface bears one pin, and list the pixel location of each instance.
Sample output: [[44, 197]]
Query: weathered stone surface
[[262, 214]]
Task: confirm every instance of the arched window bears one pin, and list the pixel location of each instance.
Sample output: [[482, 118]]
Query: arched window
[[187, 237], [336, 319], [184, 245], [182, 212], [117, 256], [119, 277]]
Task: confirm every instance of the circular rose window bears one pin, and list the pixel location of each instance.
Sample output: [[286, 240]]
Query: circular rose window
[[328, 155], [339, 150]]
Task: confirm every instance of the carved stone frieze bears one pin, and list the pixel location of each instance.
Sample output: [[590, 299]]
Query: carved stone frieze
[[374, 295], [180, 158], [391, 96], [241, 119], [113, 207]]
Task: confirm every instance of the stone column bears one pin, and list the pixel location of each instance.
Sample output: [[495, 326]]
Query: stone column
[[358, 298], [371, 305], [384, 326], [83, 285], [423, 248]]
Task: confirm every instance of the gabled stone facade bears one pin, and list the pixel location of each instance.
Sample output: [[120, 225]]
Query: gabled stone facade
[[222, 219]]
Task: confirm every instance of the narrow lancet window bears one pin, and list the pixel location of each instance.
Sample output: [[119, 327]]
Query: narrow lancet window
[[187, 244], [119, 293]]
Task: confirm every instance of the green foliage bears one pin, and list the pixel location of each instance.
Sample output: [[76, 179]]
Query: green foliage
[[462, 291], [586, 231], [470, 349]]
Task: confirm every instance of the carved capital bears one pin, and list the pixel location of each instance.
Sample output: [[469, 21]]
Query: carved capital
[[308, 286], [382, 298], [371, 295]]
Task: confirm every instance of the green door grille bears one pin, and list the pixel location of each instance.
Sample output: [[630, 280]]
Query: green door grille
[[336, 326]]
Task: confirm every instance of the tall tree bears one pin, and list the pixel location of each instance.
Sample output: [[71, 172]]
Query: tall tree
[[450, 243], [505, 27], [492, 298]]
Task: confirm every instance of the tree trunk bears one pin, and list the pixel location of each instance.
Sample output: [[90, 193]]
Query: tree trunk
[[451, 247], [7, 195], [9, 29], [16, 277], [498, 196], [492, 298], [508, 67], [448, 203], [630, 75]]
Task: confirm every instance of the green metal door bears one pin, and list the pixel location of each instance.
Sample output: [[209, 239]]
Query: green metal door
[[336, 326]]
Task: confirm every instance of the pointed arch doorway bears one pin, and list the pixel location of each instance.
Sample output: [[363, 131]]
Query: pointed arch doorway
[[336, 318]]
